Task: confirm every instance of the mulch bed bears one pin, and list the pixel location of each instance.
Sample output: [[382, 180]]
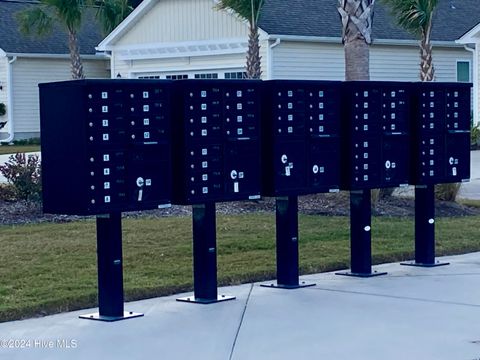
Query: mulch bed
[[22, 212]]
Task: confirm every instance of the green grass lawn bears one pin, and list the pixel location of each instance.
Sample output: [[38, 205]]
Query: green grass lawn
[[13, 149], [50, 268]]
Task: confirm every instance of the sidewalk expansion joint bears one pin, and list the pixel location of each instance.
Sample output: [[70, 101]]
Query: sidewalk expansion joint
[[241, 322]]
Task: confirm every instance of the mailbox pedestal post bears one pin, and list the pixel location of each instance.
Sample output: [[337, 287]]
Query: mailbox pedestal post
[[425, 227], [110, 270], [204, 256], [360, 235], [287, 244]]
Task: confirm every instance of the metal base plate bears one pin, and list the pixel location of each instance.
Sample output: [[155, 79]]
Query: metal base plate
[[98, 317], [413, 263], [302, 284], [194, 300], [362, 275]]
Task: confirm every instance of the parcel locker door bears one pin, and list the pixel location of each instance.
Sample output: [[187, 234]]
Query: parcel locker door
[[457, 157], [395, 163], [242, 170], [149, 176], [290, 164], [324, 164]]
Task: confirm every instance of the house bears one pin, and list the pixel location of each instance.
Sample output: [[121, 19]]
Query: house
[[472, 38], [300, 39], [27, 61]]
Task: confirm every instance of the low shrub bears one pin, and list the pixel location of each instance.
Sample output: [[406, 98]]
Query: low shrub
[[24, 174], [447, 192]]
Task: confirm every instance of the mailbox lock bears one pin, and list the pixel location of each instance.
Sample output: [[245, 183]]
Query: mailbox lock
[[233, 174], [315, 169], [388, 164], [140, 182], [284, 159], [451, 160]]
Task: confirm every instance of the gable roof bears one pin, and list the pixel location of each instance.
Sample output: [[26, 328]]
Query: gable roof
[[12, 41], [320, 19]]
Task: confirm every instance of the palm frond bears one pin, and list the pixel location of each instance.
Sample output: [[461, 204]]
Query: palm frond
[[249, 10], [110, 13], [34, 21], [413, 15]]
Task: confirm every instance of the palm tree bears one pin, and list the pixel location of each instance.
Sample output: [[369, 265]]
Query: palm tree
[[416, 17], [357, 19], [40, 19], [248, 10]]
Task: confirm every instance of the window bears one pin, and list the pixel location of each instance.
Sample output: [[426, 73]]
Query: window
[[463, 71], [206, 76], [236, 75], [176, 77], [150, 77]]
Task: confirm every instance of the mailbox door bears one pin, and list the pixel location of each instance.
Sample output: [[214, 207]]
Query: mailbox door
[[395, 164], [457, 157], [430, 163], [290, 163], [148, 176], [324, 164], [458, 109], [366, 158], [242, 169]]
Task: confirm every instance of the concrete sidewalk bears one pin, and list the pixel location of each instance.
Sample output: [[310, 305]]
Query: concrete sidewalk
[[411, 313]]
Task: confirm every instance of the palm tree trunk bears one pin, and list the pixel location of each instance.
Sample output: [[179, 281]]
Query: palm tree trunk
[[357, 60], [356, 16], [76, 61], [253, 69], [427, 71]]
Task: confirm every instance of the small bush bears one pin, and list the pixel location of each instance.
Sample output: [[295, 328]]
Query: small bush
[[447, 192], [24, 174], [31, 141], [7, 192]]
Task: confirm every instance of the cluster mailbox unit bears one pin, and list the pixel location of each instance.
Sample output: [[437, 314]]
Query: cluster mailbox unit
[[106, 146], [110, 146], [376, 138], [217, 141], [441, 154], [217, 158]]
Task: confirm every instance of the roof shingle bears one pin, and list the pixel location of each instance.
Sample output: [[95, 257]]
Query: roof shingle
[[320, 18], [13, 41]]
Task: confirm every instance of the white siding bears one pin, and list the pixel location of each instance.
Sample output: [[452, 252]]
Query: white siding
[[184, 20], [307, 60], [3, 81], [303, 60], [476, 81], [28, 73]]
